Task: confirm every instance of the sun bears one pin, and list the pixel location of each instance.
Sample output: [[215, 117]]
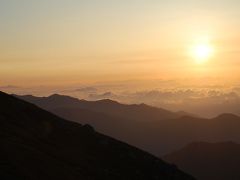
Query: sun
[[202, 52]]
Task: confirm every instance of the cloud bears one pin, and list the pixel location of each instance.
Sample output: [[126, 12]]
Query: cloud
[[87, 90], [106, 95], [201, 99], [9, 87], [204, 102]]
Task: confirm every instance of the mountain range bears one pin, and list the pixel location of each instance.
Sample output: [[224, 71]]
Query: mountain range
[[138, 112], [155, 130], [38, 145]]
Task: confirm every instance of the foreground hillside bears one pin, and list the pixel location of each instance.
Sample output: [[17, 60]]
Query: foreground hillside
[[155, 130], [209, 161], [37, 145]]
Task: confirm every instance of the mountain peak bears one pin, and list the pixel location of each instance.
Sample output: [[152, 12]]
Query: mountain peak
[[60, 96], [55, 95], [227, 116], [107, 101]]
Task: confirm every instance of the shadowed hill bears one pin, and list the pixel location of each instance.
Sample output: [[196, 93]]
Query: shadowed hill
[[209, 161], [36, 144]]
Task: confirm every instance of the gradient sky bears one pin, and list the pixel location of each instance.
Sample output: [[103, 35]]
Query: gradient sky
[[71, 41]]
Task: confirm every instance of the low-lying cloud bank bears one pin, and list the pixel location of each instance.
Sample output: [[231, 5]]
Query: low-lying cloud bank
[[208, 101]]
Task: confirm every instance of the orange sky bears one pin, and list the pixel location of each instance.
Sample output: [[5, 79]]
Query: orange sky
[[67, 42]]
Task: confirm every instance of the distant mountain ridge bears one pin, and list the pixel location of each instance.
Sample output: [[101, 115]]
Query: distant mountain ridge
[[36, 144], [155, 130], [209, 161], [135, 111]]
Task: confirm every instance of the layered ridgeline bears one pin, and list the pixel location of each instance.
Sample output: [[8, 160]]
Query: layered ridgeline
[[153, 129], [209, 161], [141, 112], [37, 145]]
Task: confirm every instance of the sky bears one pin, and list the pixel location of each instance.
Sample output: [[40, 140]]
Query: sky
[[68, 42]]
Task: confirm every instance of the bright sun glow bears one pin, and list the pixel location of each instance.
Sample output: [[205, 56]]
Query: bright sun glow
[[202, 52]]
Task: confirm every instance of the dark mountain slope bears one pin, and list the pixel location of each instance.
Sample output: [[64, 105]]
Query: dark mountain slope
[[209, 161], [37, 145]]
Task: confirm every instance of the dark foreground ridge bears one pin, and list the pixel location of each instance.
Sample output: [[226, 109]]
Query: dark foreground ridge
[[37, 145]]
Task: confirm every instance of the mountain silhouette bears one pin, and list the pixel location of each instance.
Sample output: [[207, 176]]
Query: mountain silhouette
[[36, 144], [139, 112], [155, 130], [209, 161]]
